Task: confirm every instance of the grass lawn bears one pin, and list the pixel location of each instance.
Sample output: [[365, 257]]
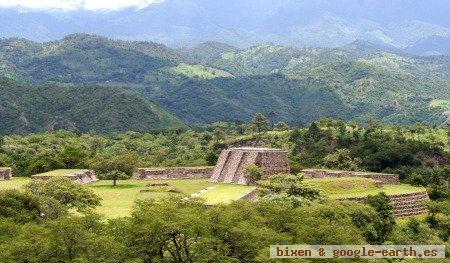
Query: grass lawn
[[61, 172], [388, 189], [347, 187], [225, 193], [344, 185], [14, 183], [118, 201]]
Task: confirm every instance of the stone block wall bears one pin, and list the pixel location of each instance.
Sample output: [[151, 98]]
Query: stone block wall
[[5, 174], [173, 173], [404, 204], [250, 196], [232, 162], [324, 173], [82, 177]]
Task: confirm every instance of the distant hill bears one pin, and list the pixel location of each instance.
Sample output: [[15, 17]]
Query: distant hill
[[364, 48], [349, 90], [38, 108], [207, 51], [432, 45], [81, 58], [215, 82]]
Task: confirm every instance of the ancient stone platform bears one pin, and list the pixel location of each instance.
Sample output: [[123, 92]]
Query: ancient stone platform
[[5, 174], [232, 162], [404, 204], [324, 173], [82, 177], [173, 173]]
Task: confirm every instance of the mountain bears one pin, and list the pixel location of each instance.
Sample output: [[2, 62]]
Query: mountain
[[81, 58], [243, 23], [207, 51], [213, 81], [432, 45], [37, 108], [364, 48]]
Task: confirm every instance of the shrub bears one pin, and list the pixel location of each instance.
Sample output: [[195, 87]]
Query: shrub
[[252, 173]]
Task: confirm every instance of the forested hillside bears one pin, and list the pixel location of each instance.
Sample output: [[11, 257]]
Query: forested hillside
[[37, 108], [215, 81]]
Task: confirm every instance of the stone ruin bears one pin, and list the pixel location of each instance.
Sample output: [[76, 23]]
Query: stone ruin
[[82, 177], [403, 204], [232, 162], [173, 173], [324, 173], [5, 174]]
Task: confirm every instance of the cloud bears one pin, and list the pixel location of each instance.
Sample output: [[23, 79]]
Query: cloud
[[77, 4]]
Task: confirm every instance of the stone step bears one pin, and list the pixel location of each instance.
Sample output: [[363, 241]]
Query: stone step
[[235, 162]]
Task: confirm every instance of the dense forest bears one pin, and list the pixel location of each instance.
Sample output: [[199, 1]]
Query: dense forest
[[28, 108], [216, 82]]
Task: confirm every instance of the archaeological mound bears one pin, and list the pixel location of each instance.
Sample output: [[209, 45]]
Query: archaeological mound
[[232, 162]]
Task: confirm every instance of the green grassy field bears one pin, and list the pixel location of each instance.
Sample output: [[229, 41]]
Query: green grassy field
[[388, 189], [342, 186], [199, 71], [14, 183], [61, 172], [118, 201], [225, 193], [444, 104], [347, 187]]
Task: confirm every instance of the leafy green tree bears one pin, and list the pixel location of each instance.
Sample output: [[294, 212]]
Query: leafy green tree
[[287, 187], [281, 126], [64, 191], [386, 222], [115, 167], [218, 134], [19, 206], [259, 123], [252, 173], [342, 160]]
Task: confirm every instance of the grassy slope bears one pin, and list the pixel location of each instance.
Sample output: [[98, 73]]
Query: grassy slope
[[199, 71], [444, 104], [225, 193]]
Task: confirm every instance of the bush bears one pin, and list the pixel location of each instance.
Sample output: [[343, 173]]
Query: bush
[[252, 173]]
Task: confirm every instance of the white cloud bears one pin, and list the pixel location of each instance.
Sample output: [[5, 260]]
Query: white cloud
[[77, 4]]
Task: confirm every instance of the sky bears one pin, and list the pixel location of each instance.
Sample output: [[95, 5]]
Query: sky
[[77, 4]]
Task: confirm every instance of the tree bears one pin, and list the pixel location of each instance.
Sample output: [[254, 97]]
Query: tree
[[386, 221], [259, 123], [19, 206], [252, 173], [342, 160], [288, 187], [115, 167], [67, 193], [218, 135], [281, 126]]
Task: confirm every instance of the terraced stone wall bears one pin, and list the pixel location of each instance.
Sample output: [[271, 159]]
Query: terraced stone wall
[[173, 173], [5, 174], [232, 162], [404, 204], [82, 177], [323, 173]]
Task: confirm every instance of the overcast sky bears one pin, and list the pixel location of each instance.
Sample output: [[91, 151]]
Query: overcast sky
[[77, 4]]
